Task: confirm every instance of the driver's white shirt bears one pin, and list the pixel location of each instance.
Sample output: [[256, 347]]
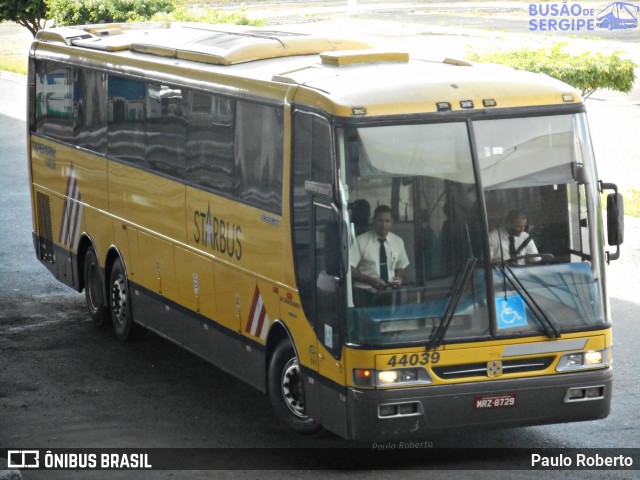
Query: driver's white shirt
[[365, 253], [500, 235]]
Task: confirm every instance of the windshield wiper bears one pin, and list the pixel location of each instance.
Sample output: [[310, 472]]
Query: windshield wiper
[[549, 327], [456, 295]]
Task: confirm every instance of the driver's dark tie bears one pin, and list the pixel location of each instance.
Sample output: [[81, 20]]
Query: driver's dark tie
[[512, 248], [384, 270]]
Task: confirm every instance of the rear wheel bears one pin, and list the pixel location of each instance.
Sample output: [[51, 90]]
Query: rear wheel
[[120, 304], [93, 289], [286, 389]]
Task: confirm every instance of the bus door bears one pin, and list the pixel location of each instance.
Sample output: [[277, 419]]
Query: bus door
[[314, 212]]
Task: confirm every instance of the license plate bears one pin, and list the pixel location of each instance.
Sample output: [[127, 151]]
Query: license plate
[[495, 401]]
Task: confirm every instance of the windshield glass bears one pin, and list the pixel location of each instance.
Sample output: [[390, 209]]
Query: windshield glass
[[544, 236], [420, 178], [422, 257]]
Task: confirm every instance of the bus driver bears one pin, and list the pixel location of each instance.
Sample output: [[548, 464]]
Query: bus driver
[[380, 259], [512, 242]]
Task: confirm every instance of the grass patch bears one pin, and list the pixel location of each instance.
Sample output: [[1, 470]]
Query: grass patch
[[631, 201], [15, 41], [14, 63]]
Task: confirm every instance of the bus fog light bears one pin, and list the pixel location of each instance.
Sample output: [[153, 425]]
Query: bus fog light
[[408, 409], [594, 392], [585, 394], [396, 410], [576, 393], [388, 410]]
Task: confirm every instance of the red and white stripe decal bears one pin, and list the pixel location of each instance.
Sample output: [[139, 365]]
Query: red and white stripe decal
[[258, 322], [72, 212]]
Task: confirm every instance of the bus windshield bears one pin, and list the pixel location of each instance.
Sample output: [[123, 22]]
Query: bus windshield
[[452, 273]]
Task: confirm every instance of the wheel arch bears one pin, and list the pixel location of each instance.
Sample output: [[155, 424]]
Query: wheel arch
[[86, 242], [113, 253], [277, 333], [84, 245]]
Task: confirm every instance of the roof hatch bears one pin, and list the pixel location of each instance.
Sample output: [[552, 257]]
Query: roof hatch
[[352, 57], [213, 44]]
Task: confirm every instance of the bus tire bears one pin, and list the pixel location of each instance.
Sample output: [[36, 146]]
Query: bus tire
[[286, 389], [120, 304], [93, 289]]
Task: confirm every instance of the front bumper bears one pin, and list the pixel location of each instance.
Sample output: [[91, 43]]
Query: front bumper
[[438, 408]]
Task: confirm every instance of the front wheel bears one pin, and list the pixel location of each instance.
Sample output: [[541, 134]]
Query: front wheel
[[286, 389], [120, 303]]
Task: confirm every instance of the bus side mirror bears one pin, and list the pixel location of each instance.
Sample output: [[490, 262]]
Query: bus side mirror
[[336, 248], [615, 219]]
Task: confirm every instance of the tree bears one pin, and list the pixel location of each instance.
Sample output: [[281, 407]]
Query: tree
[[28, 13], [586, 71], [80, 12]]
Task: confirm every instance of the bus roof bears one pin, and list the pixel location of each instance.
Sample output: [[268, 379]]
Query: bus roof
[[342, 76]]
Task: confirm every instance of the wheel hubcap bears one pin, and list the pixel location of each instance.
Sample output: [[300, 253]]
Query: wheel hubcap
[[292, 388], [119, 301]]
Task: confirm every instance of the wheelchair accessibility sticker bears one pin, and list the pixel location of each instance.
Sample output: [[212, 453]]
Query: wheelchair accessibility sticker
[[511, 311]]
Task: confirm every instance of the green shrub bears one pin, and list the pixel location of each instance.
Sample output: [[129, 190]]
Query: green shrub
[[586, 71], [206, 15], [79, 12]]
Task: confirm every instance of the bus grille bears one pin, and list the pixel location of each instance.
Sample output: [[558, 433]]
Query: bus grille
[[45, 232], [480, 369]]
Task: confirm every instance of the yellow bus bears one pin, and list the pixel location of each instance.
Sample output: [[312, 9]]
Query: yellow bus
[[211, 184]]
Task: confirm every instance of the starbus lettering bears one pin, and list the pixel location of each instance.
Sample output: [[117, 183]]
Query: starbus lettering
[[217, 234]]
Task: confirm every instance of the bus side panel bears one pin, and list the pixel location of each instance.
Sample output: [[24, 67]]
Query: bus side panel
[[246, 305], [199, 335], [70, 205], [49, 168], [155, 266], [97, 225], [194, 277], [216, 340], [144, 199], [333, 394], [236, 233]]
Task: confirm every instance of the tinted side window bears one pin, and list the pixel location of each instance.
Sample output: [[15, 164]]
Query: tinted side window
[[165, 138], [91, 115], [311, 162], [127, 115], [258, 156], [210, 141], [54, 105]]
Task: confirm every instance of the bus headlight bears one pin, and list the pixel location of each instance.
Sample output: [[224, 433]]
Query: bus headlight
[[403, 376], [583, 360], [389, 378], [594, 358], [386, 377]]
